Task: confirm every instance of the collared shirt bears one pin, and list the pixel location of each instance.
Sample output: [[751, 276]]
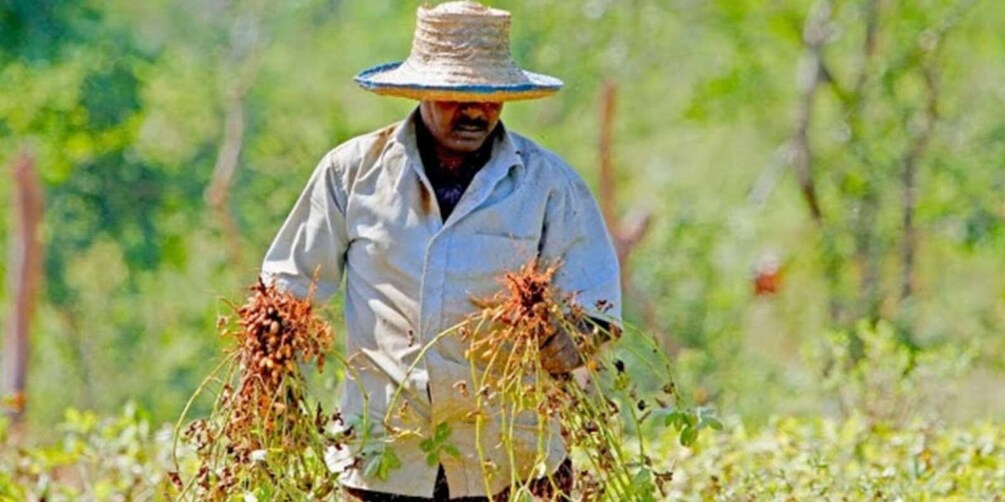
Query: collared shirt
[[368, 215], [449, 184]]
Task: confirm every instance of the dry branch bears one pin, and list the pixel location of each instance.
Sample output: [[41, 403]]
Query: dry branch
[[909, 181], [626, 232], [242, 60], [919, 143], [25, 272], [812, 74], [867, 252], [223, 171]]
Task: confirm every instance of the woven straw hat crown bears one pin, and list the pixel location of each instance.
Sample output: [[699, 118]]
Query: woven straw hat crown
[[460, 52]]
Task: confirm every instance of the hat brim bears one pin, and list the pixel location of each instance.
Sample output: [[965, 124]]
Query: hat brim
[[381, 80]]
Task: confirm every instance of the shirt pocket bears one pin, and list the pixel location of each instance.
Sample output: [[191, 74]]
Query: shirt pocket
[[492, 254]]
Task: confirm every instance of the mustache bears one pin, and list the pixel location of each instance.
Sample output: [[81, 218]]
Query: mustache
[[467, 123]]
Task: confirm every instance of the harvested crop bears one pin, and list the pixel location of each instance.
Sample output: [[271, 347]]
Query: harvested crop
[[605, 409], [262, 437]]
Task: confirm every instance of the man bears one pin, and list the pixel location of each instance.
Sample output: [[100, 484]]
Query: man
[[423, 216]]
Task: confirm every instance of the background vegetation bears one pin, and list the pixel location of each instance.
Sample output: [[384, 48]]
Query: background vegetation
[[858, 144]]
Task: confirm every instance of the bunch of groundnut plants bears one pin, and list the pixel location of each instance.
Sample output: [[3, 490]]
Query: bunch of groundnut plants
[[264, 440]]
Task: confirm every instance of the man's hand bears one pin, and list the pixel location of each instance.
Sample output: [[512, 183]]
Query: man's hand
[[559, 353]]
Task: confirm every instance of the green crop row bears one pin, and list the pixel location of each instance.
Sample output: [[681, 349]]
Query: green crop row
[[125, 457], [822, 459]]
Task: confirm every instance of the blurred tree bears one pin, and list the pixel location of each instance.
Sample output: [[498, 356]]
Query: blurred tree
[[895, 125], [867, 123], [72, 89], [887, 101], [25, 267]]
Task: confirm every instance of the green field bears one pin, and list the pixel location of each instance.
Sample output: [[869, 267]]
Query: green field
[[824, 183]]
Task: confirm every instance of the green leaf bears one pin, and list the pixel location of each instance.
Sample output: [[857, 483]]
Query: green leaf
[[372, 468], [713, 422], [675, 420], [689, 419], [388, 462], [644, 486], [706, 418], [643, 477], [442, 432], [621, 382], [451, 450], [688, 435], [393, 460], [433, 459]]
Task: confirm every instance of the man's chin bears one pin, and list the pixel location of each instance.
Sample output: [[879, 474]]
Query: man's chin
[[467, 142]]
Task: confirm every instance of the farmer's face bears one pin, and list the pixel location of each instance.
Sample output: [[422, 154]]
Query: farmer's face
[[460, 128]]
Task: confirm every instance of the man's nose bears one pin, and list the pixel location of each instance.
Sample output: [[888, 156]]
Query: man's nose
[[473, 110]]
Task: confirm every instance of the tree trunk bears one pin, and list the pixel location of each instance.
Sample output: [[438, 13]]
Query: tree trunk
[[240, 68], [24, 275], [227, 159], [909, 184], [626, 233]]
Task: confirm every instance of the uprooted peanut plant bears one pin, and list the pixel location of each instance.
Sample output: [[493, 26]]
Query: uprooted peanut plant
[[262, 437], [623, 393]]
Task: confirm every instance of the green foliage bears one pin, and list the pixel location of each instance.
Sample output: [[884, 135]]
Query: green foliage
[[123, 456], [40, 33], [854, 459], [437, 444], [689, 424], [94, 458], [124, 105], [381, 460], [873, 374]]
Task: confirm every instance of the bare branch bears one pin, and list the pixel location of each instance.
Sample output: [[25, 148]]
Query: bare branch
[[929, 46], [242, 61], [630, 232], [811, 75], [229, 152], [223, 171], [797, 152], [869, 45], [25, 273], [608, 194], [867, 251], [625, 233], [769, 176], [909, 180]]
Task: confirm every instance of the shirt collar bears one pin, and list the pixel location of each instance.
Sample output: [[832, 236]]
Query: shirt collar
[[505, 158], [504, 151]]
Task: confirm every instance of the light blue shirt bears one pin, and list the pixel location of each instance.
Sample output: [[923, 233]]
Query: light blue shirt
[[369, 215]]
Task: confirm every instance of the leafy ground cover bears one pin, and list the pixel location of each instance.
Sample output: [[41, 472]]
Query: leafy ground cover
[[892, 444], [822, 459], [121, 457], [126, 457]]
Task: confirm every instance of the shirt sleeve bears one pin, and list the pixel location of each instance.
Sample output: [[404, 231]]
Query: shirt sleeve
[[312, 243], [576, 237]]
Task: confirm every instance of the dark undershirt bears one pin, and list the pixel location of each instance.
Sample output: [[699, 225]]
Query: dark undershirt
[[449, 184]]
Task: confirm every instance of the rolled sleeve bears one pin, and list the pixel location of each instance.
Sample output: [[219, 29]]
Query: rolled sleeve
[[576, 238], [311, 245]]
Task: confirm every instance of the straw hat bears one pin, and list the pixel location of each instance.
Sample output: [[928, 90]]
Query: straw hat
[[460, 52]]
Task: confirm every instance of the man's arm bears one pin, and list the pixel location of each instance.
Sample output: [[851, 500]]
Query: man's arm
[[312, 243], [576, 238]]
